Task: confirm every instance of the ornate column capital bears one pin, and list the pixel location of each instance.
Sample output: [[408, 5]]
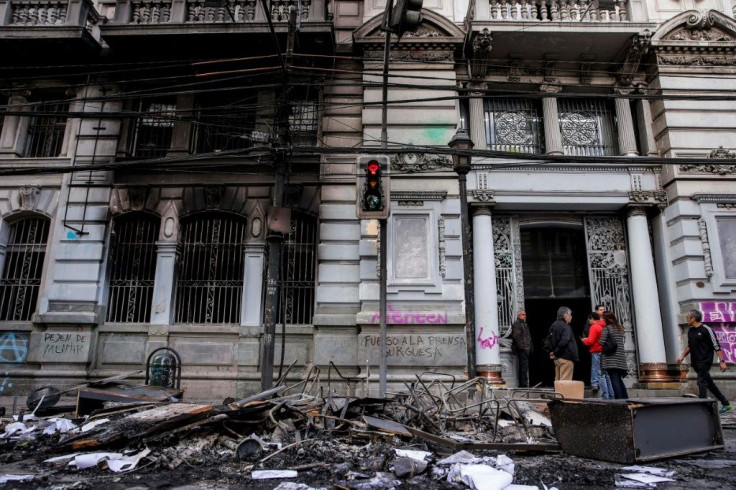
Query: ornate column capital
[[476, 88], [550, 88], [484, 210], [636, 210]]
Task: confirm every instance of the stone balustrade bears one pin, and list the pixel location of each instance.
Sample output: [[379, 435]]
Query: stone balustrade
[[210, 12], [552, 11], [48, 13]]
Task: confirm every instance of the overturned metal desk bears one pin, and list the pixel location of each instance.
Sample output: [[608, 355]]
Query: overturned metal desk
[[637, 429]]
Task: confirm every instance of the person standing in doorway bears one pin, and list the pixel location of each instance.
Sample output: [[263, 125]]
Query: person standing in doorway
[[701, 344], [563, 349], [522, 345], [598, 310], [593, 342], [614, 364]]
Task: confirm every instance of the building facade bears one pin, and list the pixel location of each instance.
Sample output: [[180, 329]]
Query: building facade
[[180, 173]]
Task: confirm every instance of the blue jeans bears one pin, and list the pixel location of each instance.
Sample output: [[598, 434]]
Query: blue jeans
[[617, 381], [606, 387], [595, 370]]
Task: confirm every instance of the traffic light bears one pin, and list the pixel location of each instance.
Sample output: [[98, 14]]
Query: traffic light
[[405, 16], [374, 195]]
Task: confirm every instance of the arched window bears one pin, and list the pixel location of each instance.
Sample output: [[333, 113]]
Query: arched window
[[209, 286], [22, 267], [298, 271], [132, 267]]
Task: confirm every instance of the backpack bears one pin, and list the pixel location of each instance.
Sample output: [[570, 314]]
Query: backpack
[[610, 346]]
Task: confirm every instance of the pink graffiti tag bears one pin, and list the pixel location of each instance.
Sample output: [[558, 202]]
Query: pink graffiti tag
[[489, 342]]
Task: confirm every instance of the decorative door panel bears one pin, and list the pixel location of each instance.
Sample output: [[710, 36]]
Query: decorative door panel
[[509, 281]]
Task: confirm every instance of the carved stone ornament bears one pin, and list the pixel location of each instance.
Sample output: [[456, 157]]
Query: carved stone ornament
[[403, 55], [697, 60], [722, 152], [719, 153], [419, 162], [482, 46], [213, 196], [483, 195], [28, 195], [637, 49], [647, 197], [442, 246], [138, 195]]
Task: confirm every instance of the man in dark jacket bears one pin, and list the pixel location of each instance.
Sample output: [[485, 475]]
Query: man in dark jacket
[[702, 343], [564, 350], [522, 345]]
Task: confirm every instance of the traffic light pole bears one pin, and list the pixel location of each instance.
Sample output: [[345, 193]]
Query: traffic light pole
[[382, 223]]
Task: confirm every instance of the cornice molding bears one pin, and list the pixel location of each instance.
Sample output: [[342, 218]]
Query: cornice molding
[[714, 198]]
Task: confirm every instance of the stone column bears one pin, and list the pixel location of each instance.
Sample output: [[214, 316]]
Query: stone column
[[251, 314], [646, 131], [667, 298], [163, 286], [487, 345], [552, 134], [649, 336], [4, 236], [477, 118], [13, 126], [625, 126]]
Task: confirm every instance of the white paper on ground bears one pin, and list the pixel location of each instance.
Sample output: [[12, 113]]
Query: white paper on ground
[[6, 478], [649, 469], [13, 428], [505, 463], [412, 453], [459, 457], [127, 463], [61, 425], [83, 461], [646, 478], [513, 486], [270, 474], [91, 425], [483, 477], [61, 459]]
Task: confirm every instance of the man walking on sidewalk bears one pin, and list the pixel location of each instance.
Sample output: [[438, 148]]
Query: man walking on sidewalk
[[701, 344]]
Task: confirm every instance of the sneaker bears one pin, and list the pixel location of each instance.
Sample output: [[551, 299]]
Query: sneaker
[[726, 408], [595, 389]]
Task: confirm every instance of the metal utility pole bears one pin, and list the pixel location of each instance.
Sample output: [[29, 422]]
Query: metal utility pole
[[275, 238]]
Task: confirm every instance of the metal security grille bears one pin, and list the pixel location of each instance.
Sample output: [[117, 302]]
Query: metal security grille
[[153, 128], [46, 131], [225, 126], [303, 123], [132, 268], [22, 268], [298, 271], [209, 288], [588, 127], [514, 125]]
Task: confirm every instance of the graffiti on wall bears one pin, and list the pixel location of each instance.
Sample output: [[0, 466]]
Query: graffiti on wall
[[13, 347], [718, 311], [726, 335], [409, 317]]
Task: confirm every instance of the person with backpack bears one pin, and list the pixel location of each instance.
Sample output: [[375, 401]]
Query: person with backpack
[[561, 345], [613, 361], [702, 343]]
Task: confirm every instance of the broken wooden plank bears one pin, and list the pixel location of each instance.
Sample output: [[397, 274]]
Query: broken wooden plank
[[387, 426]]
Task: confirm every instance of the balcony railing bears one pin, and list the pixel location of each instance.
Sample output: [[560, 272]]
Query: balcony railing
[[214, 12], [48, 13], [552, 10]]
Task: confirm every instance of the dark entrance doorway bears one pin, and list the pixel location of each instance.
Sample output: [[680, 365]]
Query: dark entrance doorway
[[554, 264]]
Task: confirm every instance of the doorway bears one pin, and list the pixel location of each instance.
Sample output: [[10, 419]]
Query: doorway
[[555, 270]]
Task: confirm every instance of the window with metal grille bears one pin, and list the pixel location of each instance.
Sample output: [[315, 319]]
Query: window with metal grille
[[154, 127], [514, 125], [132, 267], [22, 267], [298, 271], [303, 122], [209, 288], [588, 127], [224, 124], [46, 130]]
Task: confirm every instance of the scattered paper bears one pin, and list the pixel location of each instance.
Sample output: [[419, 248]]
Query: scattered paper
[[413, 454], [83, 461], [480, 477], [8, 478], [649, 469], [59, 425], [459, 457], [61, 459], [646, 478], [127, 463], [91, 425], [271, 474], [505, 463]]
